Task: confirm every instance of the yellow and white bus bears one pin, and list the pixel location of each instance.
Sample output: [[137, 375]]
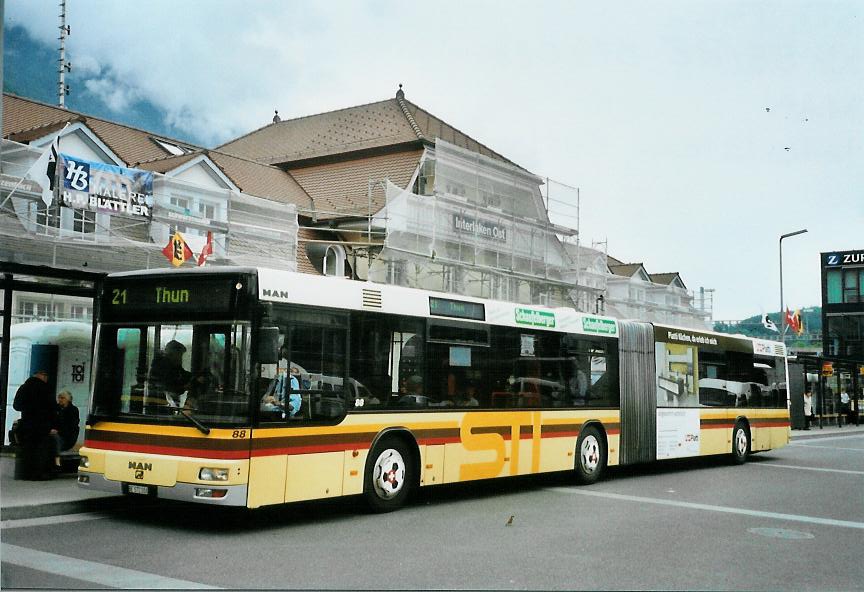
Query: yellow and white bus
[[251, 387]]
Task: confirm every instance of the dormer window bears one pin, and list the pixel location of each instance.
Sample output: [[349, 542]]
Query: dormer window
[[172, 148]]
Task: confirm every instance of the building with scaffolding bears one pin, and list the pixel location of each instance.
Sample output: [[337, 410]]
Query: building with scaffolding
[[405, 198], [385, 192], [249, 209]]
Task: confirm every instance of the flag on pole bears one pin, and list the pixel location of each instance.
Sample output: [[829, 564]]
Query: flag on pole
[[769, 324], [206, 250], [794, 321], [799, 322], [43, 171], [177, 251]]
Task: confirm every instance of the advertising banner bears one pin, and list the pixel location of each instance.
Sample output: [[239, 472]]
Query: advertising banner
[[105, 188], [677, 433]]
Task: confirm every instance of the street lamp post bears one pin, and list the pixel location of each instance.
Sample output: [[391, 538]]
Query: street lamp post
[[782, 306]]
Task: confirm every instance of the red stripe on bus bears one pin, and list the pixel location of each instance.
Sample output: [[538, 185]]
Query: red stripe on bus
[[771, 424]]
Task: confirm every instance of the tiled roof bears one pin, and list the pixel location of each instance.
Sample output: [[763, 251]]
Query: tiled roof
[[163, 165], [613, 261], [303, 263], [626, 269], [665, 278], [342, 187], [381, 125], [432, 127], [374, 125], [252, 178], [261, 180], [25, 120]]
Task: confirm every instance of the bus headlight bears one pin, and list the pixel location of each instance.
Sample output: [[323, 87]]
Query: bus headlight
[[210, 474], [84, 462]]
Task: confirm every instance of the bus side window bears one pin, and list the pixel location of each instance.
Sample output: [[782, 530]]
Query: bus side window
[[386, 356]]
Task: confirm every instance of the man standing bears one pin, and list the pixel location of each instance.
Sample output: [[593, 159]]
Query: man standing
[[38, 422]]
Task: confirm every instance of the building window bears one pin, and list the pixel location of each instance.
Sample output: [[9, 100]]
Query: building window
[[207, 210], [334, 261], [845, 286], [179, 202], [77, 311], [835, 286], [48, 216], [426, 178], [396, 273], [172, 148], [845, 336], [851, 285], [83, 221], [30, 310]]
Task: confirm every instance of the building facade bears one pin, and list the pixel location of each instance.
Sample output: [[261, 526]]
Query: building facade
[[843, 304]]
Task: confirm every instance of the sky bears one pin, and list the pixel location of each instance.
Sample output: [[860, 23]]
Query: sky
[[698, 132]]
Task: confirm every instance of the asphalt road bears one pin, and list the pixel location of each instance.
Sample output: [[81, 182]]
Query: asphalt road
[[788, 519]]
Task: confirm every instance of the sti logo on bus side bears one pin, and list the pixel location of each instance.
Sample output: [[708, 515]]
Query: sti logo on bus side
[[275, 293]]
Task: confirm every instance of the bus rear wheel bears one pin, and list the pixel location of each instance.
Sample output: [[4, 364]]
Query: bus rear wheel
[[389, 475], [740, 443], [590, 456]]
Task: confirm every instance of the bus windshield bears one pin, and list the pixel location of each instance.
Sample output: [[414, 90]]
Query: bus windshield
[[156, 370]]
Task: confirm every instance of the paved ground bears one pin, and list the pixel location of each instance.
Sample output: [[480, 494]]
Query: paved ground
[[791, 518]]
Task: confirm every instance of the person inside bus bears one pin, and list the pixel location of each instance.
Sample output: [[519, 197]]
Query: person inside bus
[[167, 374], [285, 387], [415, 396], [469, 396]]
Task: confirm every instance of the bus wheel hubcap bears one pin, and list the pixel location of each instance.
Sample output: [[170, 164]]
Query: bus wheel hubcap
[[389, 474], [741, 442], [590, 453]]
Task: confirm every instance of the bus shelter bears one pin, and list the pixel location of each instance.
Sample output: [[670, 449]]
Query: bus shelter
[[43, 337], [827, 378]]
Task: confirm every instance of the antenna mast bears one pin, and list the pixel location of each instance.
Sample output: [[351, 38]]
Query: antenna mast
[[62, 65]]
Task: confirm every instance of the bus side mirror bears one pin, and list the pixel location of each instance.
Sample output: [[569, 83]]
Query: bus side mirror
[[268, 345]]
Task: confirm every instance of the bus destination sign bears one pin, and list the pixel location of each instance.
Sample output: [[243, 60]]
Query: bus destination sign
[[458, 309], [168, 295]]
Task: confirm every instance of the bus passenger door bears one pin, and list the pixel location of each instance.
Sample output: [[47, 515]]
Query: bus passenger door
[[315, 349]]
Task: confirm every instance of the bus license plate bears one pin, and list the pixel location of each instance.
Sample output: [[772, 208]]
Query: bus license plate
[[139, 489]]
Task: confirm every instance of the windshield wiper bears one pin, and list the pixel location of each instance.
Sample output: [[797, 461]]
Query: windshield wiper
[[187, 413]]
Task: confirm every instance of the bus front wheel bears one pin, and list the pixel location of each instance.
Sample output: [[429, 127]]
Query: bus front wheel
[[740, 443], [590, 456], [389, 477]]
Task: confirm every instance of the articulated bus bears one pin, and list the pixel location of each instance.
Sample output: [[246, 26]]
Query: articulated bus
[[284, 387]]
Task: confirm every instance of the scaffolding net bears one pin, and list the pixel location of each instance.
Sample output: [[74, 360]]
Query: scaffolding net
[[245, 229], [476, 226]]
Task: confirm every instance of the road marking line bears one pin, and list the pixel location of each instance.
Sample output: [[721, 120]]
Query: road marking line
[[90, 571], [844, 471], [48, 520], [825, 439], [828, 447], [711, 508]]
